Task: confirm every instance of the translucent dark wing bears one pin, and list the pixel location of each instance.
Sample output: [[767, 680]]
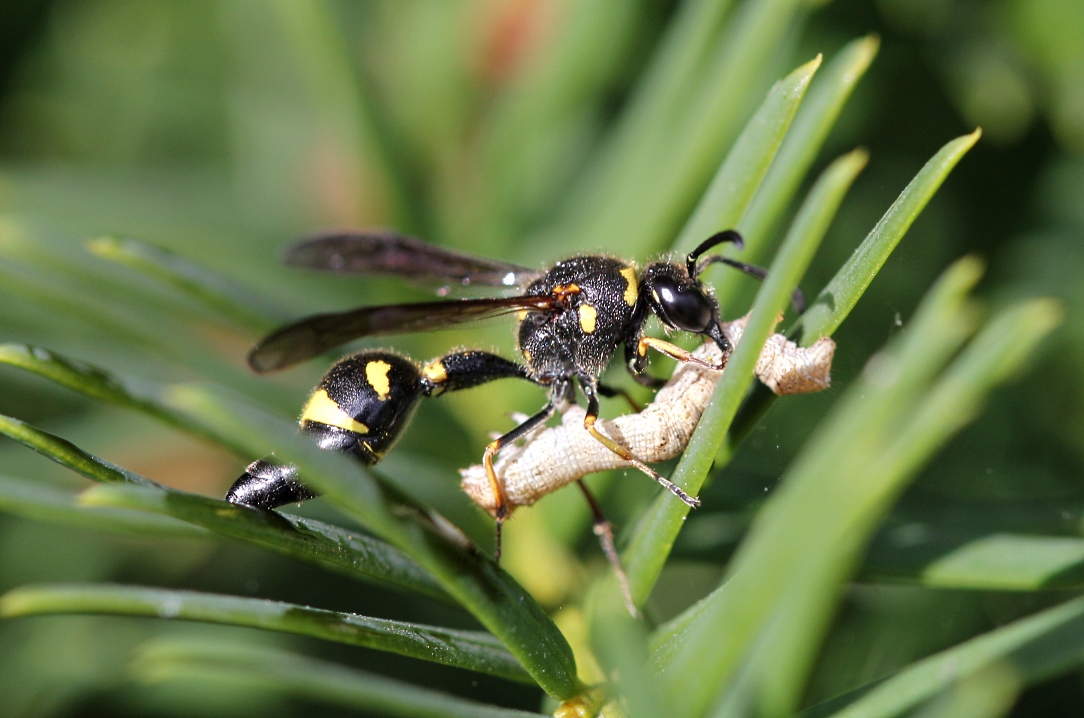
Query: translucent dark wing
[[312, 336], [386, 252]]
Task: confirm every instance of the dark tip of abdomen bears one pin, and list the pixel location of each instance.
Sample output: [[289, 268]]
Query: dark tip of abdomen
[[268, 484]]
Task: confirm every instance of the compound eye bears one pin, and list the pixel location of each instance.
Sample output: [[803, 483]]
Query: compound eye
[[682, 306]]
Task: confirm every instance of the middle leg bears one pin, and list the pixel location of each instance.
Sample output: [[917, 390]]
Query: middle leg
[[589, 386]]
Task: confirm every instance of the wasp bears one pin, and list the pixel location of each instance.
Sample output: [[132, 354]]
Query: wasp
[[561, 454], [572, 319]]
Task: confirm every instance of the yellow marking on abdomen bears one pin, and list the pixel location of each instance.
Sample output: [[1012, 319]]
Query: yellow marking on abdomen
[[376, 373], [632, 293], [435, 372], [322, 409], [588, 318]]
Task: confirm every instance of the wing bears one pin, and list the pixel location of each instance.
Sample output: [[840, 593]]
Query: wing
[[387, 252], [312, 336]]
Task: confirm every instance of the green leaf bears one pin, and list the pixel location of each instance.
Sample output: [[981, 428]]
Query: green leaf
[[40, 502], [620, 644], [780, 540], [836, 300], [103, 386], [971, 546], [943, 556], [788, 649], [303, 539], [1035, 649], [788, 574], [266, 669], [341, 100], [653, 172], [840, 295], [658, 528], [820, 109], [737, 179], [492, 596], [219, 293], [315, 542], [499, 603], [471, 650], [68, 454], [543, 112]]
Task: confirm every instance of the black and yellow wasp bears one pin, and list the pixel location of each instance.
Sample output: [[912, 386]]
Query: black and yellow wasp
[[572, 319]]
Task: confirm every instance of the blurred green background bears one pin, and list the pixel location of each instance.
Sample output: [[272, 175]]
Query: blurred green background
[[224, 129]]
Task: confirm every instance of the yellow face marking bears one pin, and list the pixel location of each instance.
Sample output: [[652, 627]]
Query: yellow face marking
[[320, 408], [631, 291], [588, 318], [376, 373], [435, 372]]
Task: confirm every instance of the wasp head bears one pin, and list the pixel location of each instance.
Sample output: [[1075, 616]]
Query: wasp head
[[676, 296]]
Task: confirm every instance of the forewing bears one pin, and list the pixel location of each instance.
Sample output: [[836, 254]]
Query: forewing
[[387, 252], [314, 335]]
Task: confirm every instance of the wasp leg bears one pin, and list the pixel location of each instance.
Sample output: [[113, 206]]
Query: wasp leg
[[589, 390], [604, 530], [466, 369], [501, 511], [636, 346], [610, 392], [636, 363], [645, 379], [676, 352]]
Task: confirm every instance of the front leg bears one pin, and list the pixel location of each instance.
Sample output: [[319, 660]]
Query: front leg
[[636, 355], [636, 363], [675, 352]]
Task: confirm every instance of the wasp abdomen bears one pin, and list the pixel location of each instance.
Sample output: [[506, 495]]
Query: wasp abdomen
[[363, 403]]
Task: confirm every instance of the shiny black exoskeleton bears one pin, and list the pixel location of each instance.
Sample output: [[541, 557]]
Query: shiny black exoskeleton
[[572, 319], [360, 408]]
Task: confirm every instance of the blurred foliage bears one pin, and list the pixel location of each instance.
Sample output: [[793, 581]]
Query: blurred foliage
[[220, 130]]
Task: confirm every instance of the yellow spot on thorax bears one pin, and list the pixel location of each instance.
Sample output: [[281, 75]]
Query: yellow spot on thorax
[[376, 373], [588, 318], [632, 293], [435, 372], [322, 409]]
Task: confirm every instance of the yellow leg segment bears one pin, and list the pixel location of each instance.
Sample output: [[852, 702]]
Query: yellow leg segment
[[589, 424], [676, 352], [500, 511]]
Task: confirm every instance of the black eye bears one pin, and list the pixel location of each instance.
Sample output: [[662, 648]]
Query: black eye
[[682, 306]]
